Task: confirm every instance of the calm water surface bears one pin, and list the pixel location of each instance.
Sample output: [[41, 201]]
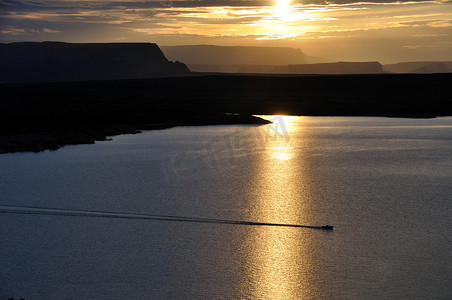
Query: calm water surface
[[385, 184]]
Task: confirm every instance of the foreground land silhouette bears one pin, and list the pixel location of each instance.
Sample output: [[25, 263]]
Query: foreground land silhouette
[[40, 116]]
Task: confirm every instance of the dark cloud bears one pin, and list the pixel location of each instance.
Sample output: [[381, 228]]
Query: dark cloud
[[32, 6], [105, 5]]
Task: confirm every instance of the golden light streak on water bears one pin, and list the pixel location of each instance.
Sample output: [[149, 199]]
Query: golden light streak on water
[[279, 263]]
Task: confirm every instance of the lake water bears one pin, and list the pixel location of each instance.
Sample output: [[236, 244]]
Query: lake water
[[385, 184]]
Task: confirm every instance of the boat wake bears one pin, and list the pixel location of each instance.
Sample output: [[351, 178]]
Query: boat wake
[[29, 210]]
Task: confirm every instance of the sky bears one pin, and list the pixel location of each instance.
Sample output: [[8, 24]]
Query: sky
[[387, 31]]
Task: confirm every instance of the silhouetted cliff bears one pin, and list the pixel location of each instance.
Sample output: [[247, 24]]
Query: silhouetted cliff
[[56, 61]]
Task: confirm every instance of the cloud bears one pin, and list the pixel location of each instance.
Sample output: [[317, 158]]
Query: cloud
[[21, 31], [305, 22], [429, 23], [440, 23], [47, 30], [12, 31], [30, 6]]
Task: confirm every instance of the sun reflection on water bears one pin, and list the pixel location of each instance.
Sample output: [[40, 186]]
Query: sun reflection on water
[[278, 258], [283, 153]]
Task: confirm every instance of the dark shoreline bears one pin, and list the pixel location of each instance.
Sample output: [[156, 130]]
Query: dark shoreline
[[40, 116], [56, 138]]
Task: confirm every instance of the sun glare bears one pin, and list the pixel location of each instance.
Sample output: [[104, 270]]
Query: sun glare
[[282, 9]]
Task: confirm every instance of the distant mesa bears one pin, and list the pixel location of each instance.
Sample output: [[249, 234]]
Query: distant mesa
[[234, 55], [237, 59], [333, 68], [262, 60], [295, 69], [284, 60], [57, 61], [420, 67]]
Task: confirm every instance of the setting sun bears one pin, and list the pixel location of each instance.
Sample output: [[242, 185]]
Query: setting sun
[[282, 8]]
